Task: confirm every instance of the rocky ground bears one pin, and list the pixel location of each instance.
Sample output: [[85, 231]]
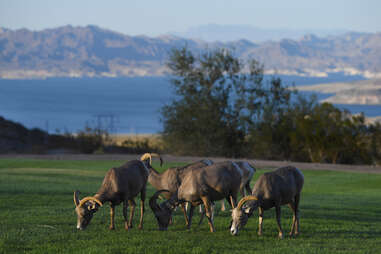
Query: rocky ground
[[172, 158]]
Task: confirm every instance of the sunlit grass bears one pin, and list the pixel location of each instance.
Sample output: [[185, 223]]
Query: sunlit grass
[[340, 213]]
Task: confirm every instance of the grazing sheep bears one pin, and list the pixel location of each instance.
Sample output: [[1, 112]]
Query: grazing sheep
[[120, 184], [202, 185], [274, 189], [247, 174], [170, 179]]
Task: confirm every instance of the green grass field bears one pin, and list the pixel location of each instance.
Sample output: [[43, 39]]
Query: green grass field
[[340, 213]]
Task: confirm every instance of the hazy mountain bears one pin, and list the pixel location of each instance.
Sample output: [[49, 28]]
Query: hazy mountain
[[92, 51], [226, 33]]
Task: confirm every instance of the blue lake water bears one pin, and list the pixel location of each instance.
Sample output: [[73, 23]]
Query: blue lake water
[[125, 105]]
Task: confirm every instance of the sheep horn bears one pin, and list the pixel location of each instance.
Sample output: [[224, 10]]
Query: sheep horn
[[84, 200], [76, 198], [149, 156], [152, 201], [145, 157], [244, 199], [158, 155]]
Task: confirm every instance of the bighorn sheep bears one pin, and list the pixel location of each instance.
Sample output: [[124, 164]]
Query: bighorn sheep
[[171, 178], [203, 185], [273, 189], [247, 174], [120, 184]]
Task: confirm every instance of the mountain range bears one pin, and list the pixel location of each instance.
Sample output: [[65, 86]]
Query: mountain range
[[226, 33], [95, 52]]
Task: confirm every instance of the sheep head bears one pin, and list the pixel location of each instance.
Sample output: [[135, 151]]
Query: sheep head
[[241, 213], [148, 156], [85, 209], [163, 211]]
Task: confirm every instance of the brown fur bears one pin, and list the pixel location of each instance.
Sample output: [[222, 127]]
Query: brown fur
[[170, 180], [205, 185], [119, 185], [274, 189]]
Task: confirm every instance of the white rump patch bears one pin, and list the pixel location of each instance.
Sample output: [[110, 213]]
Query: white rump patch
[[238, 168]]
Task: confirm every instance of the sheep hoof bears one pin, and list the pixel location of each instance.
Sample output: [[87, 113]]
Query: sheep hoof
[[280, 235], [112, 228]]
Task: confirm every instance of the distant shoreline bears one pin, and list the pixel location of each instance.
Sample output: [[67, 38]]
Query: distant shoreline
[[127, 105]]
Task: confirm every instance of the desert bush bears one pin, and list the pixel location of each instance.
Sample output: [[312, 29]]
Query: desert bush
[[142, 143], [90, 139]]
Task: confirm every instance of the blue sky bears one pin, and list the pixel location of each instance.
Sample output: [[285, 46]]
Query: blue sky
[[154, 17]]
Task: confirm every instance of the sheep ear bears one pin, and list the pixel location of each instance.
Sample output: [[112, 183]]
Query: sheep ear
[[247, 209], [76, 198]]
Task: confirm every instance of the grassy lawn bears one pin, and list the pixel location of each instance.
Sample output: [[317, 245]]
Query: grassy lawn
[[340, 213]]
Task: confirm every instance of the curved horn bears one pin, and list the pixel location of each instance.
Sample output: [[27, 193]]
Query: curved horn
[[149, 156], [152, 201], [84, 200], [145, 157], [158, 155], [76, 198], [244, 199]]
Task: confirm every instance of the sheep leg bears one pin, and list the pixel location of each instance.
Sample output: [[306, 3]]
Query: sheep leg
[[297, 199], [191, 210], [142, 208], [278, 213], [171, 220], [212, 210], [125, 207], [223, 208], [112, 216], [185, 213], [242, 191], [248, 189], [233, 201], [132, 211], [201, 217], [260, 220], [141, 213], [208, 212], [292, 207]]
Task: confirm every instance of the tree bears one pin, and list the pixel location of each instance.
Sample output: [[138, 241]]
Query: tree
[[225, 107], [218, 101]]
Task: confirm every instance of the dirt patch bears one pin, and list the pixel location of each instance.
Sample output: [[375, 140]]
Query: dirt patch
[[172, 158]]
